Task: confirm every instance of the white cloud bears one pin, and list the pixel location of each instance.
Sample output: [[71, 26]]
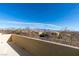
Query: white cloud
[[30, 25]]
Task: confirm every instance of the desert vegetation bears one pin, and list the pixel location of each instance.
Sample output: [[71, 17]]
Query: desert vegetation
[[65, 37]]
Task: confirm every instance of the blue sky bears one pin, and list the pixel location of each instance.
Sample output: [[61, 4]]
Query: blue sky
[[40, 15]]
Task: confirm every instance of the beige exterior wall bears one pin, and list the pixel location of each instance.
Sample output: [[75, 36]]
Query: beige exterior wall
[[42, 47]]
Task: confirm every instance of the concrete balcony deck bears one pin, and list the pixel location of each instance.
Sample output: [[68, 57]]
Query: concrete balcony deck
[[17, 45]]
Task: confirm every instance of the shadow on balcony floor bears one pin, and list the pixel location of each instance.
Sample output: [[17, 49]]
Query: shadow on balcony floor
[[19, 50]]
